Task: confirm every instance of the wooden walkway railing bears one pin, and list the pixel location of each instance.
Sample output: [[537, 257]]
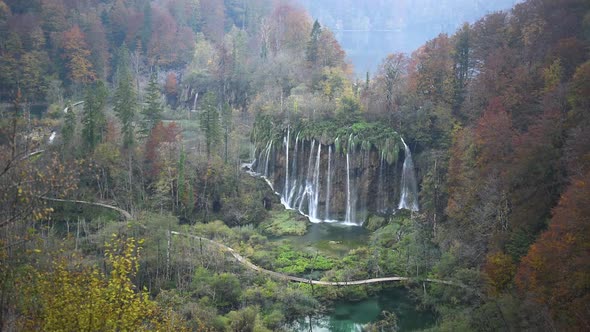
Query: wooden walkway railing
[[244, 261]]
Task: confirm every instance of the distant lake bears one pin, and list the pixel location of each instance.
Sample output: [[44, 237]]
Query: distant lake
[[366, 49]]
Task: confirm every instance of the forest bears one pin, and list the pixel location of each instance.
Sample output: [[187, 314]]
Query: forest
[[217, 165]]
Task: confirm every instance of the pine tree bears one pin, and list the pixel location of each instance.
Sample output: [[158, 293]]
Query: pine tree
[[313, 43], [226, 117], [125, 102], [93, 120], [209, 121], [69, 128], [152, 112]]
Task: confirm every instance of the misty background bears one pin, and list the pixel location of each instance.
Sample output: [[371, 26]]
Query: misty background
[[370, 30]]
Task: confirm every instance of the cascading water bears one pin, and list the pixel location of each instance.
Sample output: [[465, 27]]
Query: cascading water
[[329, 184], [348, 219], [347, 195], [195, 101], [314, 198], [409, 190], [286, 141]]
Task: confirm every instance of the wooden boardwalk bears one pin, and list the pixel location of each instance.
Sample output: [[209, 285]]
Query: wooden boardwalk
[[124, 213], [244, 261]]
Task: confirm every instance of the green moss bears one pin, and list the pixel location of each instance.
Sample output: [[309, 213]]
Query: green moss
[[284, 222], [374, 222], [345, 136]]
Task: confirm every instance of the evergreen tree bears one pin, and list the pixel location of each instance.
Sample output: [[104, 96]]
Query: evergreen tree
[[313, 44], [93, 120], [69, 128], [226, 117], [125, 102], [209, 121], [152, 112]]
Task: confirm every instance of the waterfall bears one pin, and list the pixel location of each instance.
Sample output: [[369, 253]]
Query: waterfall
[[329, 183], [409, 190], [306, 191], [347, 195], [195, 101], [348, 218], [315, 189], [289, 199], [268, 148], [286, 189]]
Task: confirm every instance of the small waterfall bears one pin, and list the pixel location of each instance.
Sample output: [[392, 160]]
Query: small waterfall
[[295, 175], [307, 190], [409, 190], [329, 183], [286, 190], [315, 189], [267, 159], [348, 218], [195, 101]]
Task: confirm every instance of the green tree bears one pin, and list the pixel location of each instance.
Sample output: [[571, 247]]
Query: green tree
[[93, 119], [313, 43], [125, 102], [227, 123], [152, 112], [69, 129], [209, 121]]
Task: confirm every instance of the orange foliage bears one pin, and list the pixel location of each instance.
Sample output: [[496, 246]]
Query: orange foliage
[[556, 270], [171, 85], [291, 27], [76, 54], [160, 134], [493, 135]]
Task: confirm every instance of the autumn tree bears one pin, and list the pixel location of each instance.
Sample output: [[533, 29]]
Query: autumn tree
[[171, 88], [83, 298], [391, 72], [556, 270], [76, 54]]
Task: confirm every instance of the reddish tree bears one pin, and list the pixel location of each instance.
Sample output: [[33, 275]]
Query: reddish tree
[[171, 85], [493, 136], [160, 134], [556, 270]]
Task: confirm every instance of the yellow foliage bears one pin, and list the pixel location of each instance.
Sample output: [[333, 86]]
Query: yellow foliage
[[75, 298]]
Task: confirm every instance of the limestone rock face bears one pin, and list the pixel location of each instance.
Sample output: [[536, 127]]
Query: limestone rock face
[[330, 186]]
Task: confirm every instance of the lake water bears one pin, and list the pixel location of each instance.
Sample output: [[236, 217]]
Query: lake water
[[352, 316], [333, 238]]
